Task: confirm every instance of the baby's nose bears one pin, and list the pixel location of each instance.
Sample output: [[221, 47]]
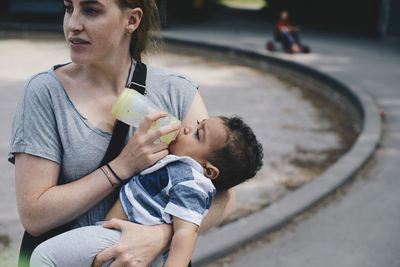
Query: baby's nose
[[187, 130]]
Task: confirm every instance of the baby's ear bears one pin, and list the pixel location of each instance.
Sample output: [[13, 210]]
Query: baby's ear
[[210, 171]]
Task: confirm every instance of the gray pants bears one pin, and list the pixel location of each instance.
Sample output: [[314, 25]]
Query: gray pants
[[78, 247]]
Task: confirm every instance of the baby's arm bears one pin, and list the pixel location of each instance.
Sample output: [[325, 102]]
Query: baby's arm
[[182, 244], [116, 212]]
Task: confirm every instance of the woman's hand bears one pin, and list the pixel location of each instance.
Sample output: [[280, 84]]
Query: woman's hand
[[141, 151], [139, 245]]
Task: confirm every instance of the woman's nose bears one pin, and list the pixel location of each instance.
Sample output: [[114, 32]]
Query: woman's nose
[[74, 22]]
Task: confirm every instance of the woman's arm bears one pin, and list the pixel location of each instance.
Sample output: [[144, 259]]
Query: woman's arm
[[224, 203], [44, 205]]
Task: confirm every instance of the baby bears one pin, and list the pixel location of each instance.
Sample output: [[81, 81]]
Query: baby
[[216, 154]]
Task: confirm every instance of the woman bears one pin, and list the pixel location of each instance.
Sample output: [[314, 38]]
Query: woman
[[63, 125]]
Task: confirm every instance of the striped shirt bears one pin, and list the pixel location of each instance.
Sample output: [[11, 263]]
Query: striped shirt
[[174, 186]]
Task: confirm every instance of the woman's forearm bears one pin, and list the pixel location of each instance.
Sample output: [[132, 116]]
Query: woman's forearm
[[63, 203], [44, 205], [223, 206]]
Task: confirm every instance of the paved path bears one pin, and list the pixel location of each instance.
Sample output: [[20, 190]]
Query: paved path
[[362, 228]]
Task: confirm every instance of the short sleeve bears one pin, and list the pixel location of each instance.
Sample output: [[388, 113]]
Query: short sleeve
[[34, 127], [190, 200], [182, 91], [171, 92]]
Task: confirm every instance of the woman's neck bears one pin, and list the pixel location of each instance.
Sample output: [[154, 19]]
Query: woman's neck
[[108, 75]]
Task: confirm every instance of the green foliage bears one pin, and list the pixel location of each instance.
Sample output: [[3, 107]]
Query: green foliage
[[250, 3]]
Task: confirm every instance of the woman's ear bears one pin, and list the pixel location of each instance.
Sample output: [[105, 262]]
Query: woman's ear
[[134, 17], [210, 171]]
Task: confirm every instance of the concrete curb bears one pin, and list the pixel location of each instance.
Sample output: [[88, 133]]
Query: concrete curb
[[221, 241]]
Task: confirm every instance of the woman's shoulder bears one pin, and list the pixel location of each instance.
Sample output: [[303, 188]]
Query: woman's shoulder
[[170, 91], [45, 83], [173, 79]]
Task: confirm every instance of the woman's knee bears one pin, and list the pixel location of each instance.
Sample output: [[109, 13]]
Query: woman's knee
[[40, 257]]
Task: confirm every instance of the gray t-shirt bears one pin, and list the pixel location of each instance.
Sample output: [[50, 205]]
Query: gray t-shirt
[[47, 124]]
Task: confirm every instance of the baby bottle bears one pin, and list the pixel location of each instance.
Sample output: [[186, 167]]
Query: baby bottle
[[131, 107]]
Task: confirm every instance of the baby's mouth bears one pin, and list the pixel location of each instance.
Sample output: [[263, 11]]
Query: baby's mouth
[[176, 138]]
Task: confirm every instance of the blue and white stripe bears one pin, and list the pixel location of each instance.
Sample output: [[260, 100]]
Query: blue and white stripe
[[175, 186]]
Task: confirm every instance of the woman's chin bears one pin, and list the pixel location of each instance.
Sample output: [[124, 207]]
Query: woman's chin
[[79, 58]]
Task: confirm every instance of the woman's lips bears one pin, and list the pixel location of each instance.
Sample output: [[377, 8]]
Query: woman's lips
[[78, 43]]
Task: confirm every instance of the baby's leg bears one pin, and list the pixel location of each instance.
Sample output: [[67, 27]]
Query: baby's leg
[[77, 247]]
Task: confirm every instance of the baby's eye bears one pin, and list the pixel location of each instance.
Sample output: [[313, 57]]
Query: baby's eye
[[198, 122], [197, 134]]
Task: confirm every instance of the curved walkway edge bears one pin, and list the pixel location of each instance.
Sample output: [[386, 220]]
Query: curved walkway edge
[[223, 240]]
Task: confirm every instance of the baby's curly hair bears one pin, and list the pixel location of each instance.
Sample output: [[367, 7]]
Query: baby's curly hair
[[240, 157]]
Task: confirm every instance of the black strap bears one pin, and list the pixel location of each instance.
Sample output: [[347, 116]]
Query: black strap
[[29, 242], [138, 83]]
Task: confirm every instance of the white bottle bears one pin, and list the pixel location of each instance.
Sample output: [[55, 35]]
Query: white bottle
[[131, 107]]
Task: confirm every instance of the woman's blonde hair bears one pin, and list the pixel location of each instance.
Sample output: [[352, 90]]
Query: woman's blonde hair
[[147, 36]]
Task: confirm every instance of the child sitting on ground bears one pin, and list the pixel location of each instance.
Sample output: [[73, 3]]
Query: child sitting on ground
[[216, 154]]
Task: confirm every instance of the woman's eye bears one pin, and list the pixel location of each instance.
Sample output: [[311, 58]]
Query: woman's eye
[[68, 9], [198, 122], [91, 11]]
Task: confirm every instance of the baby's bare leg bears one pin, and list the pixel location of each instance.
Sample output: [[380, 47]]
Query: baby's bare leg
[[116, 212]]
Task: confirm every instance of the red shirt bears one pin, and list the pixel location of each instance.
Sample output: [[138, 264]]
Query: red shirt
[[282, 23]]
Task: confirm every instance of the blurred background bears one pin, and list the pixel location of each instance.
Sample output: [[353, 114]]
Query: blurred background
[[374, 18], [354, 41]]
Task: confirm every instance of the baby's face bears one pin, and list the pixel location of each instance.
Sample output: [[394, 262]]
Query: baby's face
[[199, 141]]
